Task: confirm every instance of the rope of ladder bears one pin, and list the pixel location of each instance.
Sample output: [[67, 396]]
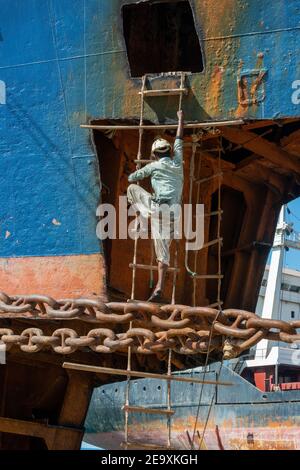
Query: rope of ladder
[[219, 302]]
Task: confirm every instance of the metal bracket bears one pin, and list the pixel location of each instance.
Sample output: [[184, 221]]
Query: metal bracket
[[253, 92]]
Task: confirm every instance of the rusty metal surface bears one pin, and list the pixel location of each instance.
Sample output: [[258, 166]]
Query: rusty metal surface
[[146, 327], [58, 276], [55, 80], [274, 436], [271, 417], [247, 51]]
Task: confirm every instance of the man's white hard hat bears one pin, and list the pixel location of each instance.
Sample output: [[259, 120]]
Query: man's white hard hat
[[160, 146]]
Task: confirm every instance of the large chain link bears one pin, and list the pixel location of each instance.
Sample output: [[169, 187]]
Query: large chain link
[[155, 328]]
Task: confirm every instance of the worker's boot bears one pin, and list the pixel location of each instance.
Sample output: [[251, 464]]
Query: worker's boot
[[157, 297]]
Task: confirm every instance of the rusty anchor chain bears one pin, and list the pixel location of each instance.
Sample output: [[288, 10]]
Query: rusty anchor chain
[[155, 329]]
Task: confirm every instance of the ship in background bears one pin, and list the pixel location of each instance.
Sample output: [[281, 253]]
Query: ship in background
[[64, 63], [261, 412], [277, 367]]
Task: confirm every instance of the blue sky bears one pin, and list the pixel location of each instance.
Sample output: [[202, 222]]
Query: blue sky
[[292, 257]]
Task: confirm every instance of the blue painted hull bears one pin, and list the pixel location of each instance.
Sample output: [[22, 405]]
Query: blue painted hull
[[64, 63]]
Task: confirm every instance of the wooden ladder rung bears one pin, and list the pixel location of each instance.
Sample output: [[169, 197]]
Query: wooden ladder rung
[[208, 276], [192, 144], [132, 127], [211, 214], [144, 375], [143, 445], [165, 92], [151, 268], [209, 178], [216, 304], [150, 411], [218, 149], [137, 301], [213, 242], [144, 162]]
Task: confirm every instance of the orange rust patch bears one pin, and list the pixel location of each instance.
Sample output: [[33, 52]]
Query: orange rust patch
[[226, 14], [215, 88], [261, 444], [58, 276]]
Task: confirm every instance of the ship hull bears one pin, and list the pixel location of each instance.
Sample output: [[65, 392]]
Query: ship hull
[[64, 63], [240, 418], [284, 437]]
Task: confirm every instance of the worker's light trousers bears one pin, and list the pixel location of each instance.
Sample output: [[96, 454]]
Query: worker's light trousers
[[162, 224]]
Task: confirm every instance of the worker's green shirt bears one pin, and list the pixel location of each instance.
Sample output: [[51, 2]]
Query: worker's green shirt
[[166, 176]]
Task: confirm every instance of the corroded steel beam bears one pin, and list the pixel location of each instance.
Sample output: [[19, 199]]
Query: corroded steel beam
[[145, 375], [263, 147]]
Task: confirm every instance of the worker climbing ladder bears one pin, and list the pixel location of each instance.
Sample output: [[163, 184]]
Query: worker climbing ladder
[[168, 412], [144, 93]]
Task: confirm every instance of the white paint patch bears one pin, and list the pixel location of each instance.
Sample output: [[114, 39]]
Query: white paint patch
[[2, 92], [296, 94], [56, 222]]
